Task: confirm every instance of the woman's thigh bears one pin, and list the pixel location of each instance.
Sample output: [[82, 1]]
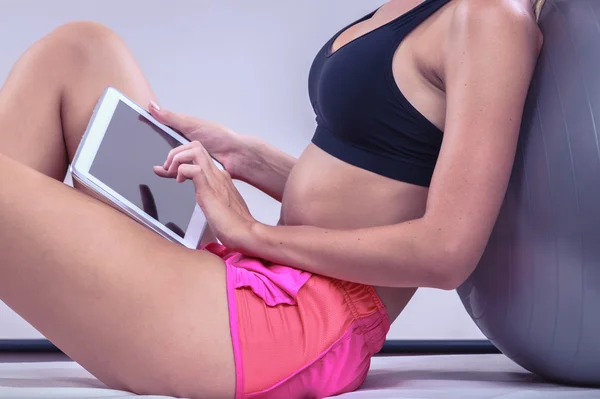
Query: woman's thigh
[[137, 311]]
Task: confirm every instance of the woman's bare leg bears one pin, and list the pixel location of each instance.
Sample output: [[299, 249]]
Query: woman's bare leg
[[49, 96], [138, 312]]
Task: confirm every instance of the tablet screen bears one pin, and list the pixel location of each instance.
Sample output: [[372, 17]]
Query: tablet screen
[[131, 146]]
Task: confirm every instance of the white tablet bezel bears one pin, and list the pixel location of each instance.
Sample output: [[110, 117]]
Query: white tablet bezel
[[88, 148]]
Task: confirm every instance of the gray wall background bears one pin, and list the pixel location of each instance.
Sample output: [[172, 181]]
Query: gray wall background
[[242, 63]]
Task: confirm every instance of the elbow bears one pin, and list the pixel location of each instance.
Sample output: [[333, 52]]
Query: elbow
[[453, 266], [450, 280]]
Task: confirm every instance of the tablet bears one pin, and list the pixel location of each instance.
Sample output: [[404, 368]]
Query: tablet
[[114, 163]]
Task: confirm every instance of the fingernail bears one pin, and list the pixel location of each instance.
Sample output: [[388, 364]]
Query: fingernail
[[154, 105]]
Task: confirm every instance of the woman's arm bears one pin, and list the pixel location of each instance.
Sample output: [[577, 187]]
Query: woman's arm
[[491, 53], [264, 167]]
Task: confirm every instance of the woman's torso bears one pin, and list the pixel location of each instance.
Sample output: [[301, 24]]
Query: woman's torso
[[324, 191], [321, 191]]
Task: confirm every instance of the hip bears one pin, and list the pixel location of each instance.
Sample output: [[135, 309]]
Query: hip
[[296, 334]]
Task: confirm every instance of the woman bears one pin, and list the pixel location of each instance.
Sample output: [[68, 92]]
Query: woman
[[231, 321]]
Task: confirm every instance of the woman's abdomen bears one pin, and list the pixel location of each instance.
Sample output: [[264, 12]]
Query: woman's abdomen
[[326, 192]]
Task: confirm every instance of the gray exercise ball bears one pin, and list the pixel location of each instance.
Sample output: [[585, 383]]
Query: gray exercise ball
[[536, 292]]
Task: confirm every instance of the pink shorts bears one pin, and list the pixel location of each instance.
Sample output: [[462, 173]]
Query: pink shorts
[[298, 335]]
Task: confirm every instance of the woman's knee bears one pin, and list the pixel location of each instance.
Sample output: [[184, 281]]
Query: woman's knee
[[84, 42]]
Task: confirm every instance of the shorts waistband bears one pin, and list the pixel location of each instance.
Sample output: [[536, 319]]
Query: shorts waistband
[[368, 310]]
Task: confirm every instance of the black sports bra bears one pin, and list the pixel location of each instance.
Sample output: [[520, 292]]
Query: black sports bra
[[362, 116]]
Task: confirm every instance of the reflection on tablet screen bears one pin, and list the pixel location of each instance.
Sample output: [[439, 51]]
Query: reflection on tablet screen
[[130, 148]]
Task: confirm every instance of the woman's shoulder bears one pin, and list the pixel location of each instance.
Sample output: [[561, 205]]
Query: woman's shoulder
[[493, 22], [491, 15]]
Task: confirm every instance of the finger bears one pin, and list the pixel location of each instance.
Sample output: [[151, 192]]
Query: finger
[[193, 152], [182, 154], [176, 151], [160, 171], [204, 159], [180, 122], [191, 172], [188, 156], [197, 175]]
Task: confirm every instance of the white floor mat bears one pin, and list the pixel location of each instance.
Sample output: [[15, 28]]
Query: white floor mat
[[423, 377]]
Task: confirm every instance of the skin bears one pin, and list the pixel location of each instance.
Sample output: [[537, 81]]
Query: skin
[[150, 316]]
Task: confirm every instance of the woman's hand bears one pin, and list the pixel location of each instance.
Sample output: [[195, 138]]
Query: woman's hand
[[246, 158], [224, 208], [225, 145]]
